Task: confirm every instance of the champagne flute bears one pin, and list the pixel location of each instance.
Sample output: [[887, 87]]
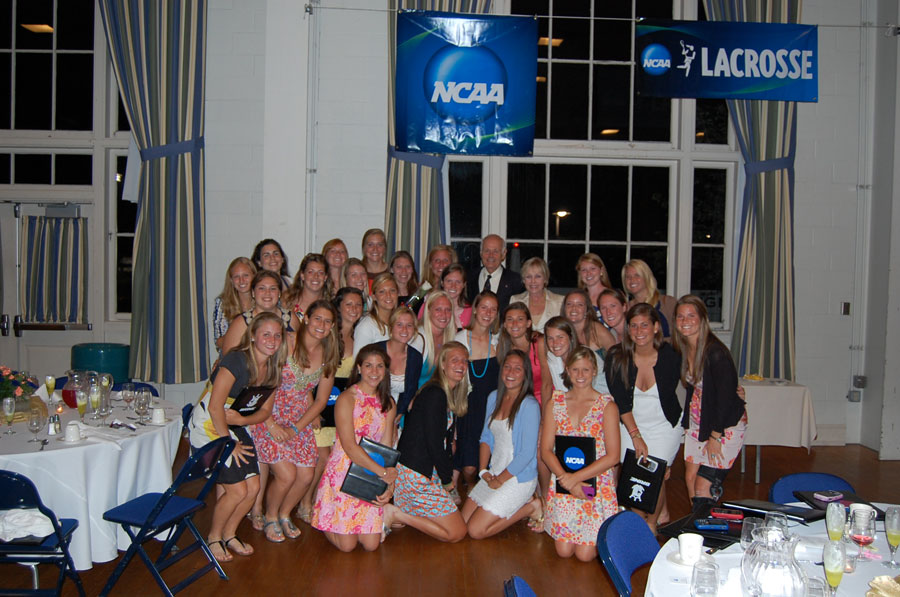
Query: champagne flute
[[892, 530], [81, 400], [128, 394], [835, 519], [9, 409], [833, 560], [862, 528], [35, 423], [95, 395], [50, 383]]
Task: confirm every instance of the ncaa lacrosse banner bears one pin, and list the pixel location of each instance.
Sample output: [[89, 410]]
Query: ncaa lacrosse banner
[[465, 84], [727, 60]]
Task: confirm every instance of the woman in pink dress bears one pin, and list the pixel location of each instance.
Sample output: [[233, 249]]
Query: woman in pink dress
[[365, 409], [573, 518]]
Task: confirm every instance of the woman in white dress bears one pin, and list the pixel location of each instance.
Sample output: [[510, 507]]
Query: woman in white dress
[[643, 373], [507, 454]]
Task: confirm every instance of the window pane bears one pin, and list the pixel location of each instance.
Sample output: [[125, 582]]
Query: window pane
[[652, 117], [74, 92], [709, 206], [525, 201], [712, 121], [653, 9], [568, 193], [33, 85], [610, 109], [656, 259], [568, 101], [612, 38], [609, 202], [650, 204], [707, 264], [468, 253], [5, 177], [519, 253], [465, 195], [575, 33], [34, 12], [32, 169], [613, 257], [122, 123], [6, 24], [5, 90], [540, 105], [562, 259], [75, 25], [124, 250], [73, 169], [126, 211]]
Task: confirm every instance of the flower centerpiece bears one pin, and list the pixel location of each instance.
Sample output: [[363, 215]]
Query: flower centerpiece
[[16, 384]]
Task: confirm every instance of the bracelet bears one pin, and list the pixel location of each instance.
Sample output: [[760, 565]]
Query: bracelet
[[720, 439], [384, 474], [482, 472]]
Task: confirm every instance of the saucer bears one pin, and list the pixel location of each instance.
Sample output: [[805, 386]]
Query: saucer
[[675, 558], [77, 441], [164, 423]]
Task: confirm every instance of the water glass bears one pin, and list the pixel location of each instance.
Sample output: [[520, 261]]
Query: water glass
[[705, 580], [35, 423], [835, 519], [747, 527], [9, 411], [128, 394], [892, 530], [142, 406]]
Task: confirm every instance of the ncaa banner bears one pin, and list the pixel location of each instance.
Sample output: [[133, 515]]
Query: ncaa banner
[[766, 61], [465, 84]]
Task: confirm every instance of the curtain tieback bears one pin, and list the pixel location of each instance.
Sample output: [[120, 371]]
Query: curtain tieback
[[753, 168], [172, 149]]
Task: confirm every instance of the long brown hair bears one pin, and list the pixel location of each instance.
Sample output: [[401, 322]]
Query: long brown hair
[[594, 259], [591, 321], [383, 389], [504, 344], [487, 294], [292, 295], [414, 276], [526, 390], [231, 301], [275, 362], [562, 324], [331, 355], [339, 322], [427, 274], [379, 281], [621, 356], [705, 339]]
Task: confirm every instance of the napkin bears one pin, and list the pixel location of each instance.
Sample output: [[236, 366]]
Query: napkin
[[41, 393], [732, 583], [884, 586], [103, 435], [18, 523]]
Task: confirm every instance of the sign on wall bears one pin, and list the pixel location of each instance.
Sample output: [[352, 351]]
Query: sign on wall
[[465, 83], [727, 60]]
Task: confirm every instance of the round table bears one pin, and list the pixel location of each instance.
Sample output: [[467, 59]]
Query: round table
[[671, 580], [107, 468]]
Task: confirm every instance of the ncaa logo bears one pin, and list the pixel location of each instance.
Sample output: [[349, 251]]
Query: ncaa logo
[[655, 59], [379, 460], [573, 458], [465, 84]]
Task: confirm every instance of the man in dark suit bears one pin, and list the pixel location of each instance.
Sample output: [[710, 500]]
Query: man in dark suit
[[492, 275]]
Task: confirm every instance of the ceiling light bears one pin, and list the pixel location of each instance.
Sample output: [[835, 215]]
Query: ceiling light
[[546, 41], [701, 134], [609, 131], [541, 79], [39, 28]]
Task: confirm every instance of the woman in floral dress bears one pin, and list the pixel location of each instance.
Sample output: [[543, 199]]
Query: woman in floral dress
[[573, 519], [365, 409]]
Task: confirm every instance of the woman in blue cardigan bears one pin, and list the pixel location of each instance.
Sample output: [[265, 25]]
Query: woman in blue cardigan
[[507, 454]]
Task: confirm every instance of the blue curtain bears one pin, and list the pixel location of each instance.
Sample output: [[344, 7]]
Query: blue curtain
[[54, 273], [158, 52]]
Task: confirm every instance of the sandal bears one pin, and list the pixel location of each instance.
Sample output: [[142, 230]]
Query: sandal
[[290, 529], [536, 523], [304, 514], [257, 521], [245, 550], [225, 557], [276, 535]]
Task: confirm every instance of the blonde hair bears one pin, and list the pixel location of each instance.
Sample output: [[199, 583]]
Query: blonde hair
[[274, 362], [643, 270], [331, 344], [539, 264], [379, 281], [231, 300], [594, 259], [581, 352], [458, 397], [428, 275], [427, 331], [403, 310]]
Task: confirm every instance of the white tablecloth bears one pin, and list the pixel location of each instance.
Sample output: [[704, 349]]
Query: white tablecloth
[[84, 480], [671, 580], [780, 413]]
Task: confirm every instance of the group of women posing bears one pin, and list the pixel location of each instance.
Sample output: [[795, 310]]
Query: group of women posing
[[471, 395]]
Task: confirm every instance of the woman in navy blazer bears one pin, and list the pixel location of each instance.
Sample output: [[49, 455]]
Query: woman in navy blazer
[[406, 360]]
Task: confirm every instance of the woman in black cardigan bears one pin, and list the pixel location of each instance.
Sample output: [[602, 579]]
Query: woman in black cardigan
[[716, 416], [643, 373], [406, 360]]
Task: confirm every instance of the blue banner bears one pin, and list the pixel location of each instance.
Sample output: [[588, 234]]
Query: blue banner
[[465, 84], [727, 60]]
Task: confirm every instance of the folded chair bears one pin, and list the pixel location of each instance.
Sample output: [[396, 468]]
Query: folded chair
[[625, 543], [151, 514], [17, 491]]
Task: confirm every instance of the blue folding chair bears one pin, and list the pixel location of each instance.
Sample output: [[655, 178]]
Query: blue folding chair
[[625, 543], [151, 514], [517, 587], [17, 491], [186, 413], [782, 490]]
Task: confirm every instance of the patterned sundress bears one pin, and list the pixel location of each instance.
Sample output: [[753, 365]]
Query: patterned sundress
[[693, 447], [337, 512], [571, 519], [292, 400]]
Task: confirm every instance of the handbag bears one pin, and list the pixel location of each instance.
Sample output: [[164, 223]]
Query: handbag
[[640, 482], [362, 483]]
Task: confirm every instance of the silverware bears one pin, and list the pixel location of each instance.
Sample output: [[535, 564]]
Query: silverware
[[713, 550], [44, 442]]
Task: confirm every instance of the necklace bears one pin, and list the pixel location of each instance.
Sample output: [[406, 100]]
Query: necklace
[[486, 360]]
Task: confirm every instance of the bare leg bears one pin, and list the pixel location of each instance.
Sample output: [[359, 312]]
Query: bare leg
[[468, 509], [257, 509], [468, 474], [483, 524], [304, 511], [664, 516], [302, 481], [450, 528], [348, 543], [283, 475]]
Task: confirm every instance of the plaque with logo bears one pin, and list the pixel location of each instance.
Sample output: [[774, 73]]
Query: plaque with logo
[[640, 481], [575, 453]]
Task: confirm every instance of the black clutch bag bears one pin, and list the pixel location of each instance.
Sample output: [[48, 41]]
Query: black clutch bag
[[640, 482], [362, 483]]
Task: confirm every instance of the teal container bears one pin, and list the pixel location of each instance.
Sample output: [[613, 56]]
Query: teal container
[[102, 357]]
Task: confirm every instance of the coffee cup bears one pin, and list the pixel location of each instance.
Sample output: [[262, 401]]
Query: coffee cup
[[689, 547], [158, 417], [73, 432]]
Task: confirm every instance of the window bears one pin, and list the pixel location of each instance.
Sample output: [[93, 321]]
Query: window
[[613, 173]]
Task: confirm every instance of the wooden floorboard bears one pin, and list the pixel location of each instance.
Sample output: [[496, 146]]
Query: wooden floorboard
[[411, 564]]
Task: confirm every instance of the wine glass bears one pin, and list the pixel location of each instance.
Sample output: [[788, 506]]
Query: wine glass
[[95, 394], [141, 406], [862, 527], [9, 409], [892, 530], [149, 395], [835, 519], [833, 559], [35, 423], [81, 400], [128, 394], [50, 383]]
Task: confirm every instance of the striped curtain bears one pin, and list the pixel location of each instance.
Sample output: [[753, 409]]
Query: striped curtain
[[763, 340], [54, 273], [415, 217], [158, 52]]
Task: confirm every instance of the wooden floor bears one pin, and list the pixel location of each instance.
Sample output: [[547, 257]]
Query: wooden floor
[[409, 563]]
